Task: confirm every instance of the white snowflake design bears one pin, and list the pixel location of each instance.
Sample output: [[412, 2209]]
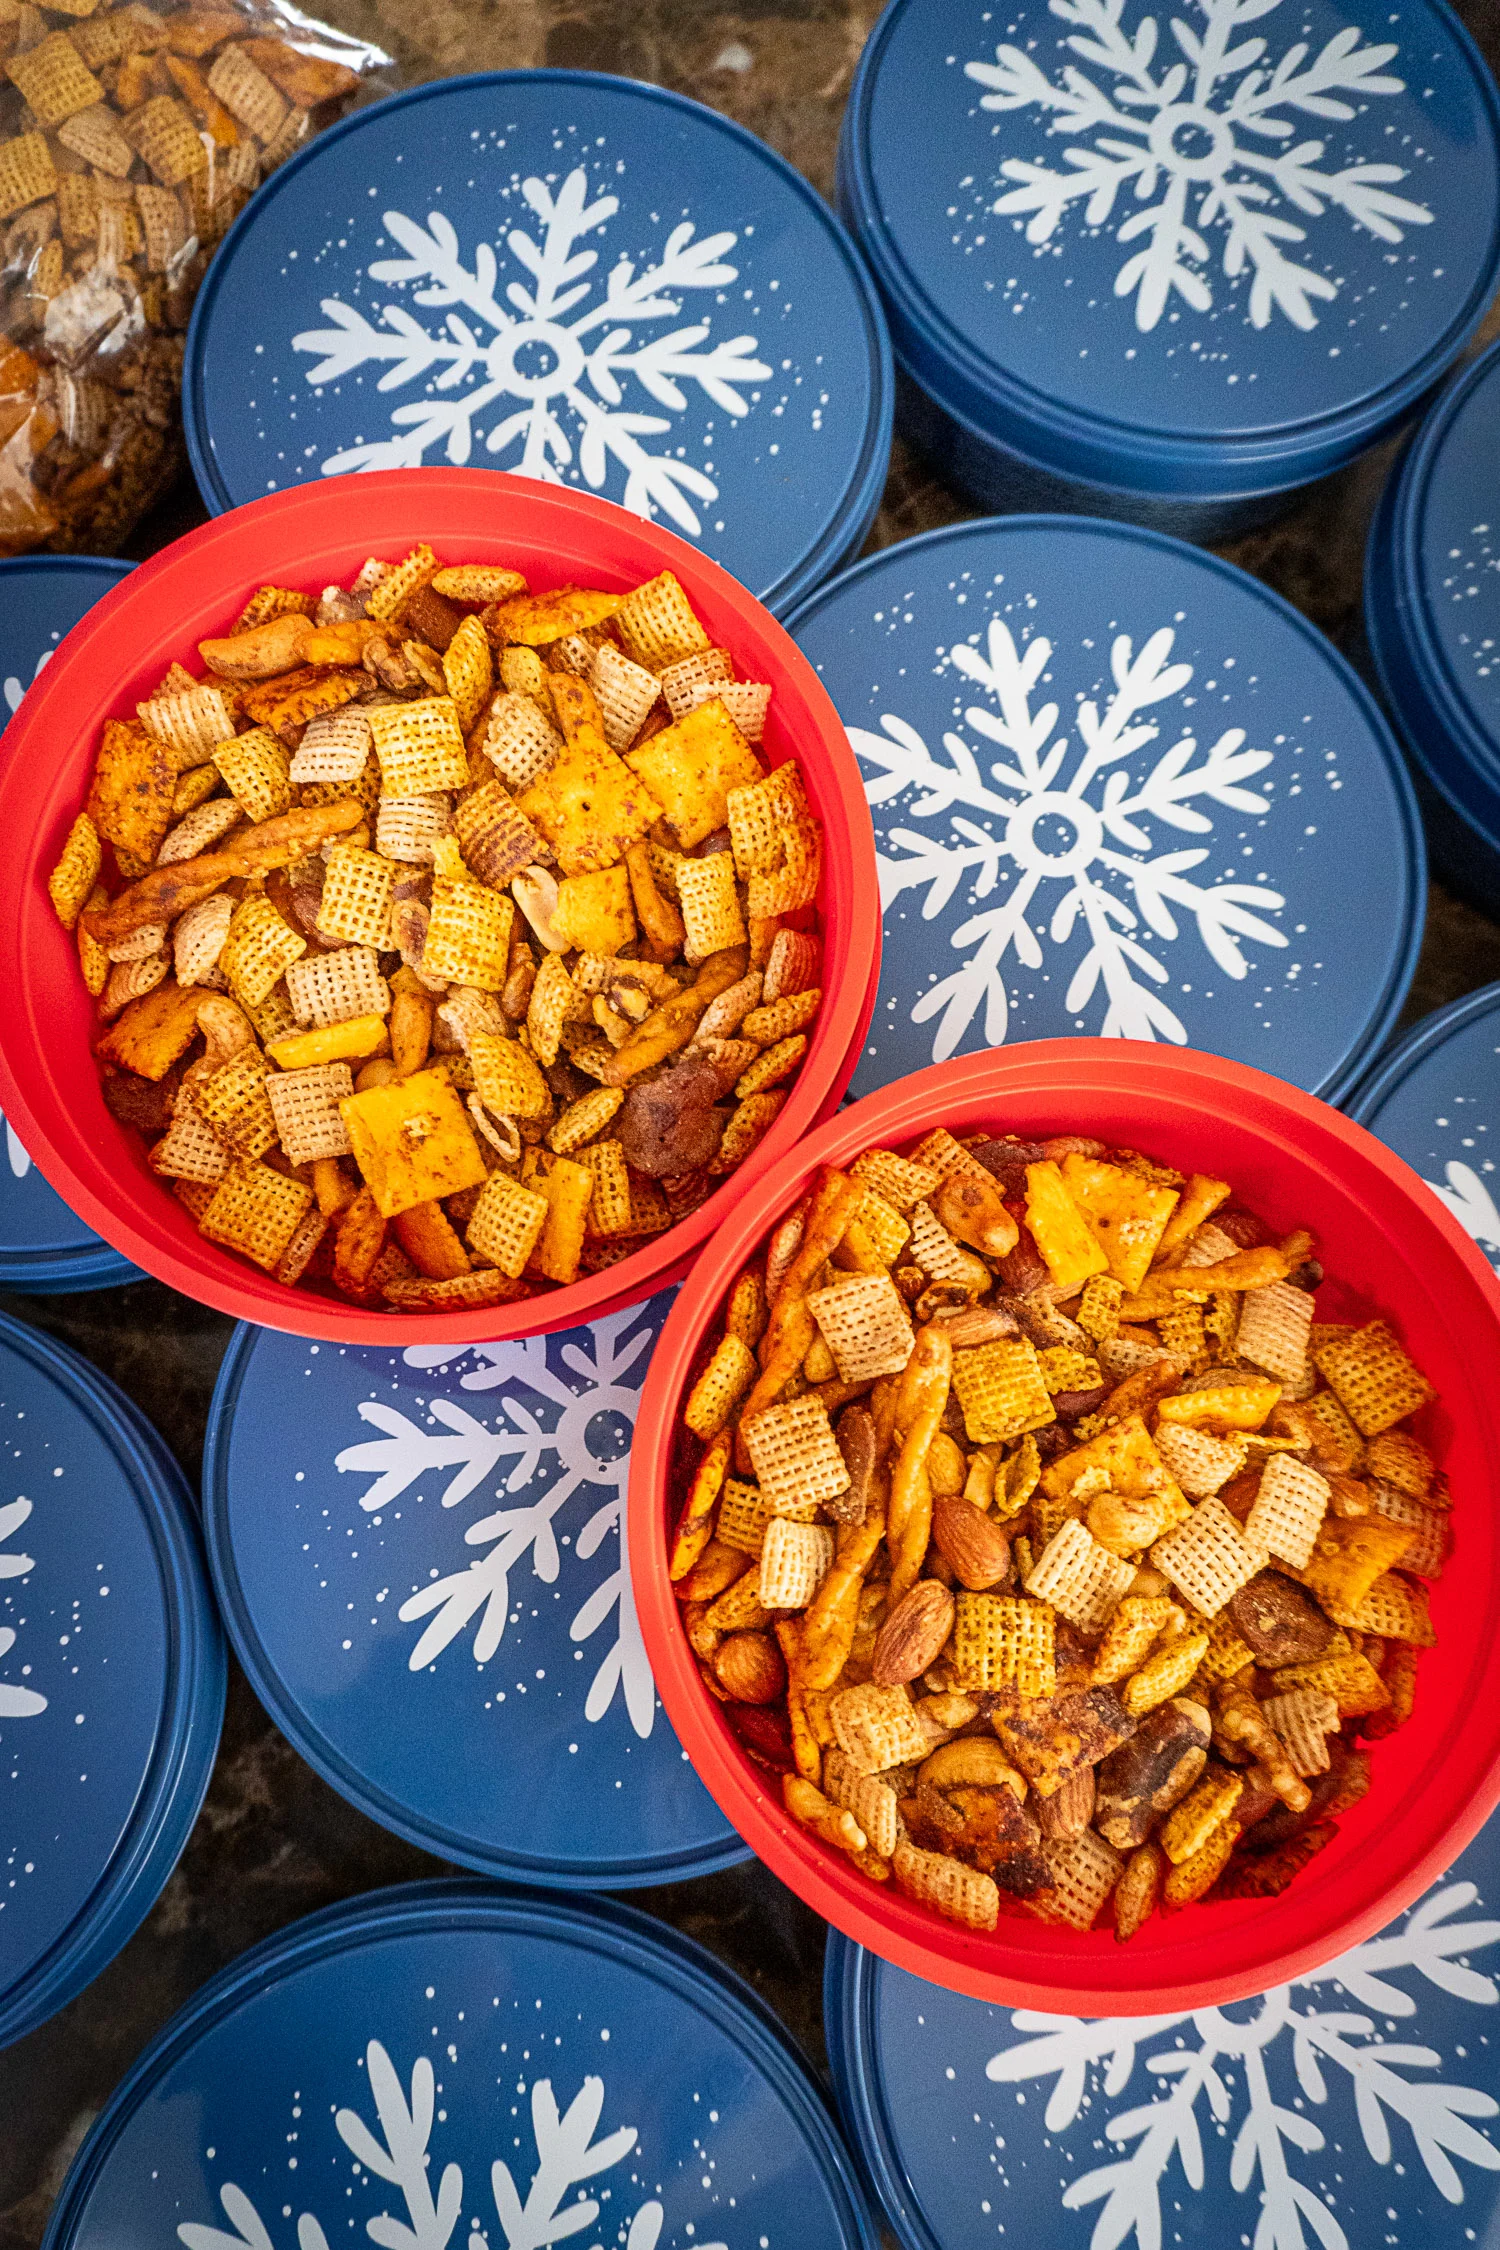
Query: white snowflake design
[[610, 1374], [1105, 850], [13, 689], [1228, 2064], [1199, 142], [15, 1702], [1471, 1203], [547, 359], [555, 2208], [16, 1156]]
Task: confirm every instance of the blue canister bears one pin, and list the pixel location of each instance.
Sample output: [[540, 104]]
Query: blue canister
[[1432, 620], [451, 2063], [111, 1674], [1170, 267], [1358, 2106], [576, 277], [1433, 1100], [43, 1246], [1120, 788], [421, 1560]]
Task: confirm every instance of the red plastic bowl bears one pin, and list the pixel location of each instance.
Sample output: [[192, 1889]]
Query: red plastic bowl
[[312, 536], [1390, 1248]]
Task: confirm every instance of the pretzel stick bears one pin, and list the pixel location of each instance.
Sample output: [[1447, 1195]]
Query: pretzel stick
[[167, 891], [919, 1411], [697, 1522], [791, 1327], [830, 1620]]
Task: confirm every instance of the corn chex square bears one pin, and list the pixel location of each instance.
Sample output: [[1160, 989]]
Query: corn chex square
[[190, 1149], [1085, 1870], [865, 1325], [1274, 1326], [507, 1223], [519, 740], [1079, 1577], [305, 1106], [876, 1727], [1002, 1391], [233, 1100], [680, 682], [468, 935], [259, 949], [1371, 1377], [795, 1455], [256, 1211], [335, 747], [329, 988], [1004, 1640], [960, 1894], [897, 1178], [356, 901], [1304, 1718], [1208, 1557], [742, 1518], [794, 1560], [406, 828], [710, 905], [420, 746], [939, 1256], [1201, 1462], [872, 1801], [1429, 1549], [1290, 1504]]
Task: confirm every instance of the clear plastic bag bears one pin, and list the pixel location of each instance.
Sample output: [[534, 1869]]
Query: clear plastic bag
[[131, 137]]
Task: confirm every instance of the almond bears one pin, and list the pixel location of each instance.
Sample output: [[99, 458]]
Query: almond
[[913, 1635], [1068, 1811], [976, 1546], [749, 1667]]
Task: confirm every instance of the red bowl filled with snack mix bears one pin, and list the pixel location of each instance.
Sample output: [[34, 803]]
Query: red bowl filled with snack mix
[[1039, 1513], [438, 900]]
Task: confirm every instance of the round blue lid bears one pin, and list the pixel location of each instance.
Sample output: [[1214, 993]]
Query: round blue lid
[[1433, 1099], [1214, 252], [426, 1547], [576, 277], [111, 1674], [42, 1245], [452, 2063], [1118, 787], [1432, 594], [1351, 2108]]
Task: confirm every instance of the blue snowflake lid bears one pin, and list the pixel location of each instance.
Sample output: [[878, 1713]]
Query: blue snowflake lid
[[1118, 787], [1433, 1100], [111, 1674], [580, 278], [451, 2063], [1432, 609], [42, 1245], [426, 1547], [1213, 252], [1352, 2108]]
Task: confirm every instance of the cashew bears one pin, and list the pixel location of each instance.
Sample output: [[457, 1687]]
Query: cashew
[[535, 892]]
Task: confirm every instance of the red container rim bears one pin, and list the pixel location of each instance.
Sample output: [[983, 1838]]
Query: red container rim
[[1436, 1780], [48, 1087]]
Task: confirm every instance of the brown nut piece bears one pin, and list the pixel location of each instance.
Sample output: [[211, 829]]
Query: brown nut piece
[[750, 1667], [914, 1634], [1067, 1814], [1278, 1622], [1148, 1775], [972, 1543]]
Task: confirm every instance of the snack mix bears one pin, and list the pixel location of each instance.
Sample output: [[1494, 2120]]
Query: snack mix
[[130, 139], [1043, 1540], [449, 940]]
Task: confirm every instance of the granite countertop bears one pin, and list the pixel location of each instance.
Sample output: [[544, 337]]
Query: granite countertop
[[273, 1842]]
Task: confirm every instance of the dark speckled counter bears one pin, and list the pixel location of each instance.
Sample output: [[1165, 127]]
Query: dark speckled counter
[[273, 1842]]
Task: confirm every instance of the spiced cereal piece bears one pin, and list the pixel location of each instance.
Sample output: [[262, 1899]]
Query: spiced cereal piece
[[259, 949], [1131, 1633], [468, 935], [876, 1728], [1372, 1377], [54, 80], [657, 625], [77, 871], [1304, 1718], [1290, 1504], [1166, 1674], [742, 1517], [26, 173], [902, 1183], [1085, 1869], [333, 988], [1210, 1803], [795, 1455], [681, 681], [865, 1324], [506, 1078], [1351, 1679], [255, 767], [200, 829], [506, 1223], [794, 1560], [1429, 1528], [1197, 1875], [1208, 1557], [710, 906], [1394, 1609], [611, 1212], [1398, 1459], [256, 1212], [357, 893], [1349, 1556], [1081, 1579], [469, 671], [190, 1149], [192, 722], [233, 1101], [960, 1894], [519, 740], [626, 693], [1201, 1463], [719, 1388], [1001, 1390], [1273, 1330], [1004, 1640], [335, 746], [305, 1106], [873, 1802]]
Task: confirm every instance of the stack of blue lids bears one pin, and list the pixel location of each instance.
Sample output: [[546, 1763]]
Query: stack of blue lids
[[1170, 265], [1118, 787], [1357, 2106], [575, 277], [111, 1674], [420, 1556], [1432, 615], [42, 1245], [453, 2063]]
